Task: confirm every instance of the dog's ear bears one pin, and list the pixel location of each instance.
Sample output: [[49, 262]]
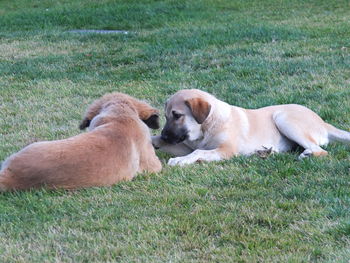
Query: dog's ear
[[148, 114], [153, 121], [84, 124], [200, 109], [93, 110]]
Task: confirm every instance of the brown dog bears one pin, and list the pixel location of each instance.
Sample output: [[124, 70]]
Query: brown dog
[[117, 146]]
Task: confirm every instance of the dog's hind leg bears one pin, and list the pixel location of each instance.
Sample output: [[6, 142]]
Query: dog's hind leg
[[308, 135], [7, 181]]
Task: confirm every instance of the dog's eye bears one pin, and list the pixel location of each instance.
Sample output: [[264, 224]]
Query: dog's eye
[[177, 115]]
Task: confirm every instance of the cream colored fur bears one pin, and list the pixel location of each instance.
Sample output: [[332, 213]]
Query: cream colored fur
[[228, 130]]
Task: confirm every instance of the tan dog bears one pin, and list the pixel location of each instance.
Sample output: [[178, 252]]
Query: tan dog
[[200, 127], [117, 146]]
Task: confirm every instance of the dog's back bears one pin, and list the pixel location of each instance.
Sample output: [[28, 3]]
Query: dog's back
[[111, 152], [100, 157]]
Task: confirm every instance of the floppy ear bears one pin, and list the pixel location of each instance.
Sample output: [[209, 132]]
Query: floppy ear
[[149, 115], [84, 124], [93, 110], [153, 121], [200, 109]]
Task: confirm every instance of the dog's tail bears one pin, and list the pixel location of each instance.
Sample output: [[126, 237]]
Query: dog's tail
[[335, 134]]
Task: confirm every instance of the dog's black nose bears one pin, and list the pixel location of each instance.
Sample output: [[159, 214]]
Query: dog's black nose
[[171, 137], [164, 137]]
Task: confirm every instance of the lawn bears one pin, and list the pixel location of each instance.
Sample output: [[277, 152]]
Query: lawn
[[248, 53]]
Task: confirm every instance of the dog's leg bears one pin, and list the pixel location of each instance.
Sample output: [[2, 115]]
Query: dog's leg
[[197, 155], [295, 131], [149, 161], [179, 149], [8, 181], [223, 152], [308, 152]]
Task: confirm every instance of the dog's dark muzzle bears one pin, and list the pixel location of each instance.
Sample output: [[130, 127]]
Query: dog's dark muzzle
[[173, 137]]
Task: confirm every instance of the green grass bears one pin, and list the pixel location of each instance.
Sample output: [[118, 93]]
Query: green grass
[[248, 53]]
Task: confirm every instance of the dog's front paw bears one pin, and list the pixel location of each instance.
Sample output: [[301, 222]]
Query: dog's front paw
[[179, 161]]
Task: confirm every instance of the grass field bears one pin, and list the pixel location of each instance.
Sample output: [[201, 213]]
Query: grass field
[[248, 53]]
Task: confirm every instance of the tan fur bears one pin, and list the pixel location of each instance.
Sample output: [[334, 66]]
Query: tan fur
[[228, 130], [117, 147], [199, 107]]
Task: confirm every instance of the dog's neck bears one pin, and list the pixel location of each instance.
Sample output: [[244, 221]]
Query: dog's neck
[[216, 117], [118, 108]]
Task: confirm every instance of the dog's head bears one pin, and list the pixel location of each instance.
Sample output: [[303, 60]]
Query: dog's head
[[185, 112], [148, 114]]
